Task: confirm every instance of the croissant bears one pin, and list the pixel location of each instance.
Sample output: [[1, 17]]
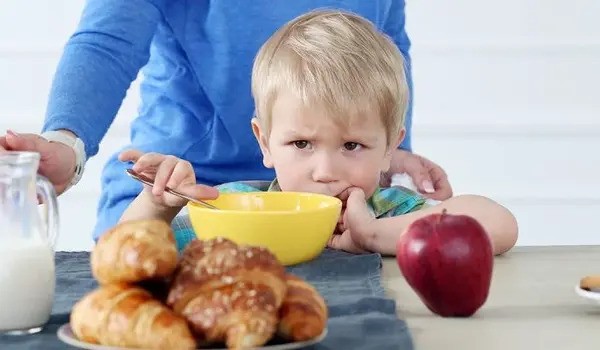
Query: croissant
[[303, 314], [590, 282], [125, 316], [228, 293], [134, 251]]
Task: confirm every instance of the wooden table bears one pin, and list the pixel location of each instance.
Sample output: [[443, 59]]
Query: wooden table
[[532, 305]]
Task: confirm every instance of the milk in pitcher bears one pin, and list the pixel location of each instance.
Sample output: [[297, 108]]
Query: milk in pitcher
[[27, 280]]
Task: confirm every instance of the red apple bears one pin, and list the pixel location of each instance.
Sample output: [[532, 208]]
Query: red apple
[[448, 261]]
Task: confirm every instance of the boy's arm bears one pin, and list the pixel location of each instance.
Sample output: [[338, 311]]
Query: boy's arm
[[499, 222], [143, 207], [366, 233]]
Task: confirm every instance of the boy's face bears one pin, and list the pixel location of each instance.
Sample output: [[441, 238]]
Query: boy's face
[[311, 153]]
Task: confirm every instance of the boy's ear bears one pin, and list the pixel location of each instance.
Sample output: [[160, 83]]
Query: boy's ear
[[263, 143], [400, 138], [392, 146]]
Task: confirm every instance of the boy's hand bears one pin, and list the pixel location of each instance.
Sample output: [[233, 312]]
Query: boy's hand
[[168, 171], [356, 226]]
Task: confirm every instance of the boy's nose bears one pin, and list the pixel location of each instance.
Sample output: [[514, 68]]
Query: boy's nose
[[324, 170]]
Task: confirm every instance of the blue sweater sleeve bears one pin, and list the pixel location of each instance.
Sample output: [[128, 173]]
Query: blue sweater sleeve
[[395, 28], [98, 64]]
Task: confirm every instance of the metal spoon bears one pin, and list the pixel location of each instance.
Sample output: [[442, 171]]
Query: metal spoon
[[148, 181]]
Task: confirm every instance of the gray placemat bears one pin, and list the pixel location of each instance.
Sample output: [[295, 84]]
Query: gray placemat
[[361, 317]]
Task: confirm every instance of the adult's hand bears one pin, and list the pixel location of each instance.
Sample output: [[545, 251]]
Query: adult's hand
[[57, 161], [429, 178]]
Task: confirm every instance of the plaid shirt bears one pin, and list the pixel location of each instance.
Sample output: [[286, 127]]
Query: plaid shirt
[[385, 202]]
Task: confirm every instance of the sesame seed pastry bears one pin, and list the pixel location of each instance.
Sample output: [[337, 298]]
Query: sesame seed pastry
[[303, 314], [228, 293]]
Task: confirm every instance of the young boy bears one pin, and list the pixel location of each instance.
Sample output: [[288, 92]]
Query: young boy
[[330, 95]]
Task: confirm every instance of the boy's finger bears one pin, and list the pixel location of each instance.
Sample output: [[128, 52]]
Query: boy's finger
[[340, 228], [180, 174], [163, 173], [130, 155], [343, 195], [356, 197], [148, 160], [344, 242], [200, 191]]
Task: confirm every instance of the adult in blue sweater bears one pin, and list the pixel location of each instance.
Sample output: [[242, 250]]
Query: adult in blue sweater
[[196, 58]]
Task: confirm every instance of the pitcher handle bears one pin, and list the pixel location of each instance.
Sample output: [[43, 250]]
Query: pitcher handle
[[46, 190]]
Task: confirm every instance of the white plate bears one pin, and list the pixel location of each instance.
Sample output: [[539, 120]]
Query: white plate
[[592, 296], [66, 335]]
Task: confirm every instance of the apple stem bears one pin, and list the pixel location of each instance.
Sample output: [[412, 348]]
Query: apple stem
[[444, 211]]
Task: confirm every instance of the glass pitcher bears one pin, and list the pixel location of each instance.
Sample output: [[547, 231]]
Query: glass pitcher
[[27, 238]]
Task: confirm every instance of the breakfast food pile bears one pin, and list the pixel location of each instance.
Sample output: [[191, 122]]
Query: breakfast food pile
[[217, 292]]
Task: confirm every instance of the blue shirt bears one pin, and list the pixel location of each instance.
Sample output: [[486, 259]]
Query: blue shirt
[[195, 93]]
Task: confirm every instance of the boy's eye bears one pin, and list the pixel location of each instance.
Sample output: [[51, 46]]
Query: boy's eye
[[302, 144], [351, 146]]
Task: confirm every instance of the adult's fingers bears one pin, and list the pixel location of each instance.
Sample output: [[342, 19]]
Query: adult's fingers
[[443, 189], [421, 179], [26, 142], [57, 161]]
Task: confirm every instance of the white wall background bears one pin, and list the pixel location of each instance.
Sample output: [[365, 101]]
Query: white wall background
[[507, 100]]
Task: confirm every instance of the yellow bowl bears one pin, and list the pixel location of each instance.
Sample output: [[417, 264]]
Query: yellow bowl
[[294, 226]]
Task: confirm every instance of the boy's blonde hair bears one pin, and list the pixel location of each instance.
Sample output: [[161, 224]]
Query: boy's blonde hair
[[333, 60]]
